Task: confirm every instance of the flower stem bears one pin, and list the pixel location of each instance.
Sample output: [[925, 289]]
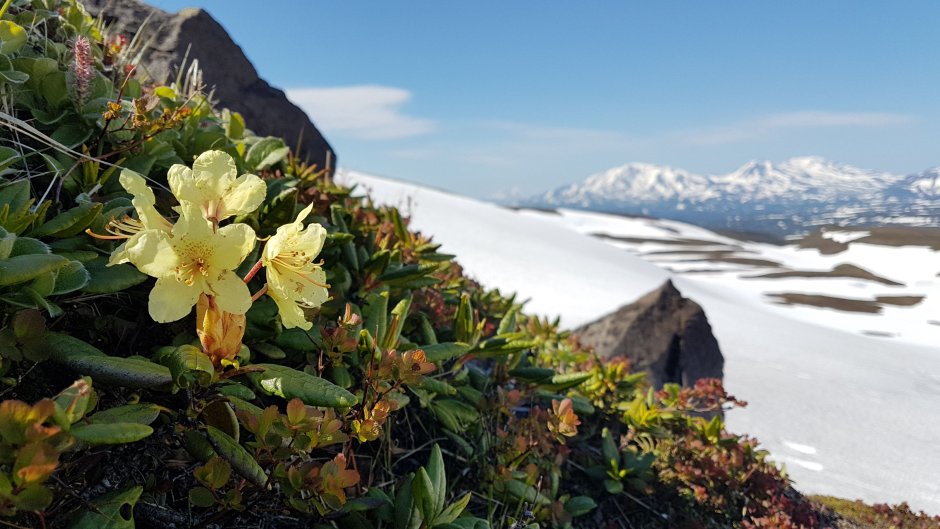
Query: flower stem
[[260, 293], [254, 270], [6, 5]]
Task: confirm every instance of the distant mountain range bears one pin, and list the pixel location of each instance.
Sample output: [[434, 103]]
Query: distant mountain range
[[778, 199]]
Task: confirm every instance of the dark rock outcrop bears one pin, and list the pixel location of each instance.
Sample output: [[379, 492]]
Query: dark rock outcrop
[[266, 109], [662, 333]]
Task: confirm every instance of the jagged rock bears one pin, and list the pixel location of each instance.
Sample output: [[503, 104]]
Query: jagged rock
[[225, 67], [662, 333]]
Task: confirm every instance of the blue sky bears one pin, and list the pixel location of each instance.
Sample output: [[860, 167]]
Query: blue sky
[[488, 96]]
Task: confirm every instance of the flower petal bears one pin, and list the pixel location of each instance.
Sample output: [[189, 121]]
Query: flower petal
[[181, 182], [143, 200], [232, 244], [311, 240], [291, 314], [244, 196], [171, 300], [313, 294], [231, 293], [214, 172], [191, 226], [152, 253]]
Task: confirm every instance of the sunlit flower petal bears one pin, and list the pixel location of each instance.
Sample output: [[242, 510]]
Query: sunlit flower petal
[[231, 293], [148, 218], [212, 184], [171, 300], [295, 280]]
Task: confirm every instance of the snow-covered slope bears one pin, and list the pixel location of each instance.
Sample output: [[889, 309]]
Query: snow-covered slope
[[848, 412], [787, 198], [496, 237]]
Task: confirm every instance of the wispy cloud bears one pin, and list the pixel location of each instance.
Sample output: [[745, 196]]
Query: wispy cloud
[[765, 126], [361, 112]]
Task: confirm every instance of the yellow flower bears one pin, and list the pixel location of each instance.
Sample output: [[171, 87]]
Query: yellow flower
[[192, 259], [148, 218], [211, 184], [294, 280]]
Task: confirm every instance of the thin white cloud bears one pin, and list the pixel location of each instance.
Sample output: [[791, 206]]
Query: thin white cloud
[[363, 112], [765, 126]]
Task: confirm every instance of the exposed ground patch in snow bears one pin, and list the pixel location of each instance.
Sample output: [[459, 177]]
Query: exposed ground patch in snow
[[815, 378]]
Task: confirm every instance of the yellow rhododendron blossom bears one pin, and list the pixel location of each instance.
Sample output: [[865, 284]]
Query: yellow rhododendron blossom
[[148, 218], [193, 259], [212, 185], [295, 281]]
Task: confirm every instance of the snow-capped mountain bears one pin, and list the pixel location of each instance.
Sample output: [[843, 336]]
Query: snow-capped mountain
[[788, 198], [637, 182], [804, 178], [921, 185]]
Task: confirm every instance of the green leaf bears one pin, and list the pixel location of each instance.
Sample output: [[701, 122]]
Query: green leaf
[[436, 473], [609, 449], [406, 513], [524, 492], [237, 456], [87, 360], [580, 505], [69, 223], [234, 124], [613, 487], [453, 511], [290, 383], [72, 134], [23, 268], [508, 322], [34, 497], [271, 351], [437, 386], [375, 315], [16, 194], [403, 275], [265, 153], [13, 76], [201, 497], [142, 413], [72, 402], [188, 364], [111, 511], [532, 374], [463, 321], [565, 381], [296, 339], [12, 37], [445, 351], [110, 279], [70, 278], [424, 495], [399, 314], [501, 346], [111, 433]]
